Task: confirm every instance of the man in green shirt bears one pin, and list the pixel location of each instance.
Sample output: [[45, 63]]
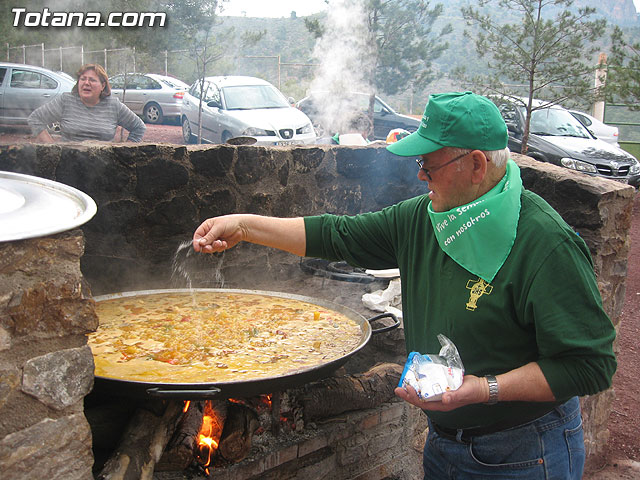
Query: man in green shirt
[[492, 267]]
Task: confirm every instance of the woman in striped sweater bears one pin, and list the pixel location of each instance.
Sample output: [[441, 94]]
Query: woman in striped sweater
[[88, 112]]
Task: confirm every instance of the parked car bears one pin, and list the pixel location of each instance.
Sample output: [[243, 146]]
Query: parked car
[[236, 106], [600, 130], [153, 97], [558, 137], [385, 118], [23, 88]]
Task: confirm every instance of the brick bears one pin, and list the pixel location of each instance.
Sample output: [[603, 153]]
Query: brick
[[280, 456], [392, 412], [243, 471], [312, 445], [289, 453], [324, 469], [350, 455], [340, 432], [369, 421], [381, 443], [378, 472]]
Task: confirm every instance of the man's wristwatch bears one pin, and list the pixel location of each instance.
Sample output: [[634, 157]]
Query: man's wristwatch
[[493, 389]]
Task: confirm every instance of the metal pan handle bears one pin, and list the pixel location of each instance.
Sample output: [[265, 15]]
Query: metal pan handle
[[183, 394], [396, 323]]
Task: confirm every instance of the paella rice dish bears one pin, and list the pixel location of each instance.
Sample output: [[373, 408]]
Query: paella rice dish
[[201, 336]]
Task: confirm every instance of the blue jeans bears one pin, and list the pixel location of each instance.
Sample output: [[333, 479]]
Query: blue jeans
[[549, 448]]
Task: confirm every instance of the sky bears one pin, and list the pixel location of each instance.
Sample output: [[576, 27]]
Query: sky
[[283, 8], [274, 8]]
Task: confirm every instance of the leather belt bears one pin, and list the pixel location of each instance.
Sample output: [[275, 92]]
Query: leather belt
[[465, 435]]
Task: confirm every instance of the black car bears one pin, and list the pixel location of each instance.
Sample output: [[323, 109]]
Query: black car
[[320, 107], [557, 137]]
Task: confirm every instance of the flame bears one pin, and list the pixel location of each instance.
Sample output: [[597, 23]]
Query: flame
[[206, 444], [209, 434], [186, 406]]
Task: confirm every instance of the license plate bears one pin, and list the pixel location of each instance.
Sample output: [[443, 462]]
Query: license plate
[[289, 142]]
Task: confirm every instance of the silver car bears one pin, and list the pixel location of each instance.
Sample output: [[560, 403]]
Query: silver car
[[153, 97], [600, 130], [23, 88], [236, 106]]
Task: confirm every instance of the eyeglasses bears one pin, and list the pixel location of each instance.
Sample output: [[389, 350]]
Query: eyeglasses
[[429, 171], [89, 79]]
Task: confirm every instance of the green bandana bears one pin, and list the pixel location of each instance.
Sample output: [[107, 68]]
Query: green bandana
[[479, 236]]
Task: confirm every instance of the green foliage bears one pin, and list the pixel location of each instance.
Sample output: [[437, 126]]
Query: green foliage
[[623, 77], [144, 38], [541, 54], [314, 26], [407, 44], [289, 41]]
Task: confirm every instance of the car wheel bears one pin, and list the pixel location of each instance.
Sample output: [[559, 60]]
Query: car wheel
[[187, 134], [152, 113], [226, 135]]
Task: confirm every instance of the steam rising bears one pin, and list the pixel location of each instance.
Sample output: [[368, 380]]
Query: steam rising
[[346, 53]]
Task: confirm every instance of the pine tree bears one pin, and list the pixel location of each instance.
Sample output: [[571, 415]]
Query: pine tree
[[539, 55]]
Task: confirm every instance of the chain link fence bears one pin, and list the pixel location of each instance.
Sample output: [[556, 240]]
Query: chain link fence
[[115, 60], [292, 78]]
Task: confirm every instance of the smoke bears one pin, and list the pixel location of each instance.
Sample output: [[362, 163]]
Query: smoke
[[346, 54]]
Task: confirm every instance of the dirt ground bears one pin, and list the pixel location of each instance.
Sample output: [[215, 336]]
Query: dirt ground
[[622, 460]]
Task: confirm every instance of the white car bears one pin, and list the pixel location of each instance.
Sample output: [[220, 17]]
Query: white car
[[153, 97], [600, 130], [237, 106]]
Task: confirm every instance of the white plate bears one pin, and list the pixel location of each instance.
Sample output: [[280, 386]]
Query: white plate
[[34, 207], [390, 273]]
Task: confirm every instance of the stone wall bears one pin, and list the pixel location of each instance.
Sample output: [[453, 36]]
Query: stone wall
[[600, 211], [151, 198], [46, 367]]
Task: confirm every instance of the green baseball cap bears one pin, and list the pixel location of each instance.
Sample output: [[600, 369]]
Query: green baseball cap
[[457, 119]]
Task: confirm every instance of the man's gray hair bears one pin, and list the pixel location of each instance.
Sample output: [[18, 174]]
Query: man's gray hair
[[497, 157]]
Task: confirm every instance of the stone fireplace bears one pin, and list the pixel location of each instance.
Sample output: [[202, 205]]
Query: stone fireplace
[[46, 367], [150, 198]]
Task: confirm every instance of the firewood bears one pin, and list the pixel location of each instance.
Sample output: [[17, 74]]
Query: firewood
[[142, 444], [334, 395], [178, 455], [235, 443]]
